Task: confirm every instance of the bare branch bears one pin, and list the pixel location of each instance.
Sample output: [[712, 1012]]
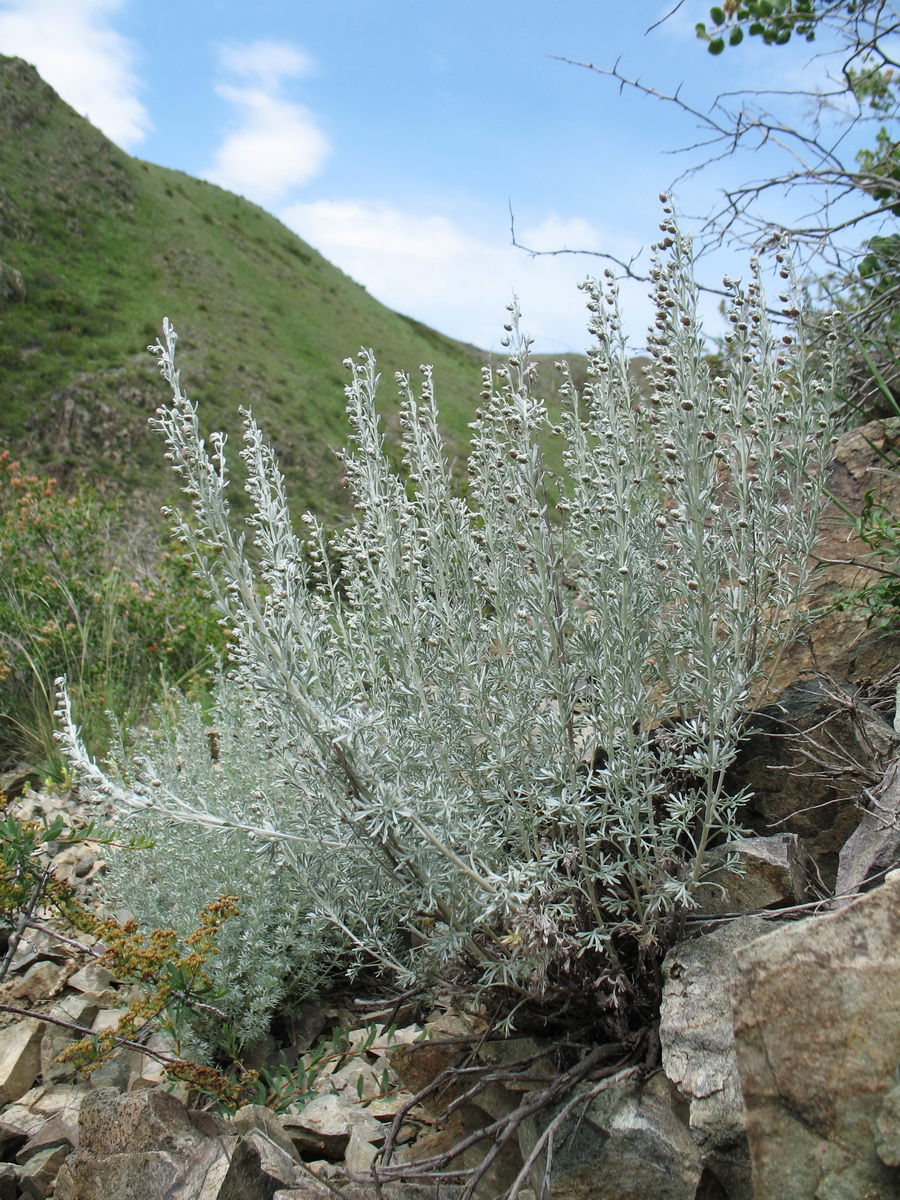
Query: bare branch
[[845, 195], [662, 20], [627, 268]]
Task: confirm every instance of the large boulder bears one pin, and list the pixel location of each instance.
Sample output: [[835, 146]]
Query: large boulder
[[130, 1147], [697, 1040], [817, 1036], [20, 1058]]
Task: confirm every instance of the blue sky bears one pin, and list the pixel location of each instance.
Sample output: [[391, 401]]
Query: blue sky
[[395, 136]]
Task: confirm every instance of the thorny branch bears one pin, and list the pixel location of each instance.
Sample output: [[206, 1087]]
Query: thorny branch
[[817, 163], [628, 269], [844, 194]]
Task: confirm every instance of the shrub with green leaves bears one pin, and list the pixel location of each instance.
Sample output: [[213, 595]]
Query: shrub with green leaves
[[119, 615], [501, 730]]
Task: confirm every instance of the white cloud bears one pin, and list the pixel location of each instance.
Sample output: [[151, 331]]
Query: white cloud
[[266, 62], [275, 144], [459, 282], [75, 49]]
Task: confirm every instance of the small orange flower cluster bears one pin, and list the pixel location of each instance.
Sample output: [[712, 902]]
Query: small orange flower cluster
[[170, 977], [174, 982]]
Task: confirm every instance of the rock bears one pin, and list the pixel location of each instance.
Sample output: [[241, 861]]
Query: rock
[[65, 1184], [74, 862], [697, 1040], [631, 1145], [36, 1107], [507, 1053], [279, 1164], [452, 1023], [38, 1173], [303, 1026], [400, 1037], [20, 1058], [257, 1117], [887, 1139], [80, 1010], [23, 956], [361, 1079], [768, 872], [117, 1071], [110, 1123], [225, 1168], [261, 1052], [34, 945], [874, 847], [837, 641], [209, 1124], [12, 1139], [817, 1036], [58, 1100], [362, 1149], [57, 1131], [94, 981], [787, 795], [310, 1189], [13, 783], [9, 1182], [37, 983], [387, 1107], [323, 1127], [141, 1175], [322, 1169], [447, 1134], [147, 1071], [108, 1019], [419, 1064], [365, 1037], [132, 1147]]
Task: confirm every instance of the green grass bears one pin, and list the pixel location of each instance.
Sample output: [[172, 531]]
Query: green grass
[[85, 593]]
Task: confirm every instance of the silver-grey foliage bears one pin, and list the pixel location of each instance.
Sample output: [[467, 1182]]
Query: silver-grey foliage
[[230, 783], [501, 735]]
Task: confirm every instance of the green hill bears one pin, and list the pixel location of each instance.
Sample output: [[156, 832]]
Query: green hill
[[97, 247]]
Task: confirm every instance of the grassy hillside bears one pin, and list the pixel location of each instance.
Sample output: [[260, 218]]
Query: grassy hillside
[[106, 246]]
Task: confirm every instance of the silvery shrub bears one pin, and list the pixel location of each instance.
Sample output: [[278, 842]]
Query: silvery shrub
[[494, 744]]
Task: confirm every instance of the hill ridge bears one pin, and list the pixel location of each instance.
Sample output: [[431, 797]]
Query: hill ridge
[[96, 247]]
